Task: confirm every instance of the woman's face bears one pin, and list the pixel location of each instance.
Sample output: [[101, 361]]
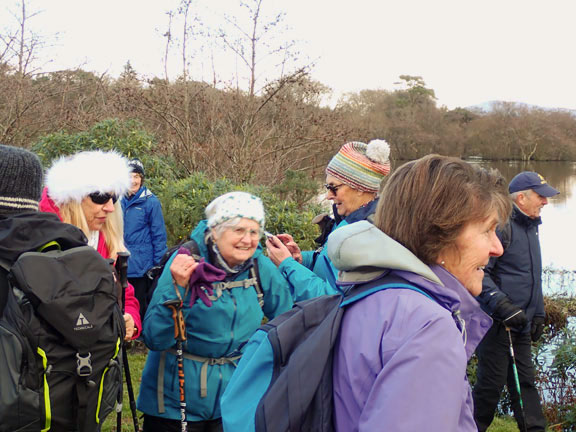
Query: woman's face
[[96, 214], [238, 243], [346, 199], [474, 246], [135, 182]]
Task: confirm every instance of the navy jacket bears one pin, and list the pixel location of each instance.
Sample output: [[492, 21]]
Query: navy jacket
[[518, 272], [144, 231]]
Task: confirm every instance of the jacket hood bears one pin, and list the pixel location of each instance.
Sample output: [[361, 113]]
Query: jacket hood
[[362, 252], [139, 197], [29, 231], [47, 205]]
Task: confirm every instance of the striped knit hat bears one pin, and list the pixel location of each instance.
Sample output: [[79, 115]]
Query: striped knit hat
[[361, 166], [20, 180]]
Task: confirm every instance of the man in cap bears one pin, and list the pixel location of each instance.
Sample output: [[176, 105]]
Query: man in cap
[[512, 295], [144, 233]]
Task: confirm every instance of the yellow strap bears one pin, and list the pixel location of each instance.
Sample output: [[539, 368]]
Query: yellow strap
[[48, 409], [52, 244], [100, 391]]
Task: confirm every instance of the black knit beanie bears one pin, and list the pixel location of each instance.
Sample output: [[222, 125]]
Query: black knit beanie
[[136, 166], [21, 179]]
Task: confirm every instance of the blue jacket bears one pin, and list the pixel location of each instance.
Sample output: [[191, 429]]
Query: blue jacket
[[400, 360], [518, 272], [212, 332], [144, 231], [316, 275]]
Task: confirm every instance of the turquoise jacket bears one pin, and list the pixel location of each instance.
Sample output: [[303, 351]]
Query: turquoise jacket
[[216, 332], [316, 275]]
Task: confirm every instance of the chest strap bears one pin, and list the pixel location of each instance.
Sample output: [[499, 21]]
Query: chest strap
[[206, 361], [221, 286], [254, 281]]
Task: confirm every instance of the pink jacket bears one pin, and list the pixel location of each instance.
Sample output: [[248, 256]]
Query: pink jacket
[[131, 304]]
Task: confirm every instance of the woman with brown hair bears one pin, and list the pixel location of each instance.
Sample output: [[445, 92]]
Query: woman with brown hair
[[401, 356]]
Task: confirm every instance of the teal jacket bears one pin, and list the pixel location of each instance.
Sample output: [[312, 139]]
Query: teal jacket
[[216, 332], [316, 275]]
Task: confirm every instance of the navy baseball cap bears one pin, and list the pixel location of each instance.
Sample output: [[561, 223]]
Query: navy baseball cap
[[532, 180]]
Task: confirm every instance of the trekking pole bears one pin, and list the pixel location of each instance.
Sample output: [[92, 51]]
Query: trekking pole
[[122, 271], [180, 335], [516, 378]]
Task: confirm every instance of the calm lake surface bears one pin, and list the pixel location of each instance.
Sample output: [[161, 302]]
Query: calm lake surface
[[557, 232]]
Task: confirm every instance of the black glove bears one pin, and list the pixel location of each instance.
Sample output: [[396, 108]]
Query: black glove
[[537, 328], [510, 314]]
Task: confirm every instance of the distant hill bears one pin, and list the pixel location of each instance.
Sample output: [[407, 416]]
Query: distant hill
[[488, 107]]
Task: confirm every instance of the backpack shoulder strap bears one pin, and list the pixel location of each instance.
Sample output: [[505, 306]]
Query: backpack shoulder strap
[[192, 246], [255, 273], [387, 281]]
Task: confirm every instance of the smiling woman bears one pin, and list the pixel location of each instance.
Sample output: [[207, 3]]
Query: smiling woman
[[217, 325], [434, 230], [83, 190], [353, 178]]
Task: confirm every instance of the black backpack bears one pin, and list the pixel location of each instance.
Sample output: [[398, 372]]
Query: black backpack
[[60, 342], [283, 382]]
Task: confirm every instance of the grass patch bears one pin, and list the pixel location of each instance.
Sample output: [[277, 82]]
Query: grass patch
[[503, 424], [136, 359]]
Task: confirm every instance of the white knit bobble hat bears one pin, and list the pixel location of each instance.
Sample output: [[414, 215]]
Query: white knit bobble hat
[[235, 204]]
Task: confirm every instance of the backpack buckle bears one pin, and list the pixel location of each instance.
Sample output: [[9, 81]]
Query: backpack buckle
[[83, 365]]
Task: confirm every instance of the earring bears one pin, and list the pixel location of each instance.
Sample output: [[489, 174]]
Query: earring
[[442, 262]]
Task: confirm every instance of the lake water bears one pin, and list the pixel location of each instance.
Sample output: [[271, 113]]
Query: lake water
[[558, 230]]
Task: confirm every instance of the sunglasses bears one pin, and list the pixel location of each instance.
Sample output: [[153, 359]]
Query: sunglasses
[[102, 198], [333, 188]]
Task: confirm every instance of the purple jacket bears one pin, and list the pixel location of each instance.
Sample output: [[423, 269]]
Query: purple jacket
[[400, 362]]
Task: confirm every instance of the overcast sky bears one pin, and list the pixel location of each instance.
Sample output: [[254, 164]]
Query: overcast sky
[[469, 52]]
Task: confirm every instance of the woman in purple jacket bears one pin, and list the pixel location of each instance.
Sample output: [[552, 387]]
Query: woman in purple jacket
[[400, 361]]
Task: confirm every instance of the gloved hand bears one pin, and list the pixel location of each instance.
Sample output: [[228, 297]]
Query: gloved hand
[[201, 280], [537, 328], [510, 314]]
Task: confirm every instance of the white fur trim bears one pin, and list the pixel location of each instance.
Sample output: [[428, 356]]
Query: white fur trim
[[378, 150], [74, 177]]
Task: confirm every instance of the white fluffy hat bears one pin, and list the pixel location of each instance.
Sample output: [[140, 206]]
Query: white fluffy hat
[[72, 178], [235, 204]]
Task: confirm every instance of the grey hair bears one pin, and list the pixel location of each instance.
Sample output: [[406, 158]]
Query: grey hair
[[514, 195], [227, 224]]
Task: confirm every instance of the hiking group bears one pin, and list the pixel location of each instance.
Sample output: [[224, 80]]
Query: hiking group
[[415, 271]]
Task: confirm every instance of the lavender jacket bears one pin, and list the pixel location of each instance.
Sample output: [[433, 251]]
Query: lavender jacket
[[400, 362]]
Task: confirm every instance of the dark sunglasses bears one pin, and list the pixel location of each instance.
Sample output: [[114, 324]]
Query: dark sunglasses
[[333, 188], [102, 198]]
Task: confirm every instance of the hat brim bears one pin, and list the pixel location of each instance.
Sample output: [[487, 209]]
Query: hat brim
[[545, 190]]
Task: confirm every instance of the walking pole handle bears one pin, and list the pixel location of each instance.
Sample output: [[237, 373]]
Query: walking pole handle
[[179, 326], [122, 272]]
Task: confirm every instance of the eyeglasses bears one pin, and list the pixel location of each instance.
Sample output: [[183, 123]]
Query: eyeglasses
[[240, 232], [333, 188], [102, 198]]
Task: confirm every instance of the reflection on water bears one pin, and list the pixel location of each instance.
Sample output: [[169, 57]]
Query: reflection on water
[[558, 230]]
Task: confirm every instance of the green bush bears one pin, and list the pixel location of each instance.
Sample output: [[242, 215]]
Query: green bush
[[184, 201], [127, 137]]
